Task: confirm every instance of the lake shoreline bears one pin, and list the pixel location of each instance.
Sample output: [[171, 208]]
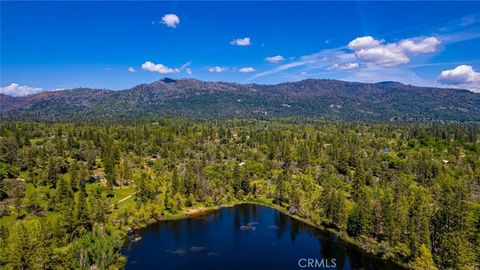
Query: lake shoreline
[[191, 212]]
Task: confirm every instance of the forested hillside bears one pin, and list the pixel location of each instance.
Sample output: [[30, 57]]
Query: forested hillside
[[69, 193], [194, 99]]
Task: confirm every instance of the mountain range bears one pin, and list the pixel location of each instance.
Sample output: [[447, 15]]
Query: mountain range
[[328, 99]]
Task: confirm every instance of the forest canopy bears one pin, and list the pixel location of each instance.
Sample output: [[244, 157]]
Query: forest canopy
[[70, 192]]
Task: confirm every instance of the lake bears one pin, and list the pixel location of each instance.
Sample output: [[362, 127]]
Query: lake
[[245, 236]]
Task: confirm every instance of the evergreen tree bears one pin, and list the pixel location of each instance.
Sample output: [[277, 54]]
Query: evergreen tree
[[418, 224], [451, 231], [4, 233], [361, 217], [424, 261], [82, 220]]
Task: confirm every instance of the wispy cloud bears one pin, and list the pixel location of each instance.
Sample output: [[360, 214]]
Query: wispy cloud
[[320, 59], [278, 69], [460, 36], [185, 67], [372, 74], [443, 63], [470, 19], [346, 66], [407, 53]]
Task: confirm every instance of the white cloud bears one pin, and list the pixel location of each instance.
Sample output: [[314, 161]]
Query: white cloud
[[463, 75], [171, 20], [16, 90], [247, 69], [131, 69], [216, 69], [427, 45], [346, 66], [152, 67], [370, 50], [376, 54], [275, 59], [241, 41], [363, 43], [188, 71]]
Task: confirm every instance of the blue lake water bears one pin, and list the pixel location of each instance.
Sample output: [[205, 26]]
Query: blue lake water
[[244, 237]]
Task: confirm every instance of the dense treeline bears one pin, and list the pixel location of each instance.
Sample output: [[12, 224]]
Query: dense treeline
[[70, 192]]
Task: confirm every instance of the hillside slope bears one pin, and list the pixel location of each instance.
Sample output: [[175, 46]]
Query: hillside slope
[[330, 99]]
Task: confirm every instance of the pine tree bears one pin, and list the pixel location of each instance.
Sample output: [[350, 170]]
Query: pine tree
[[53, 173], [74, 174], [99, 247], [98, 205], [418, 224], [360, 218], [282, 189], [64, 194], [144, 192], [4, 233], [451, 231], [21, 247], [33, 203], [237, 178], [424, 261], [389, 218], [177, 183], [190, 200], [82, 219], [178, 202], [339, 215]]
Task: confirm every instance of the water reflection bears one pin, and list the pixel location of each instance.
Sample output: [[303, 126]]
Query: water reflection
[[241, 237]]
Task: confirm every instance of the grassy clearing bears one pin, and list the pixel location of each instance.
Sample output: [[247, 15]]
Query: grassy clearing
[[119, 194]]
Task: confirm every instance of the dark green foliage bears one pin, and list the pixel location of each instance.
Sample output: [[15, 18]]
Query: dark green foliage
[[82, 219], [144, 189], [30, 246], [100, 247], [406, 191], [4, 233]]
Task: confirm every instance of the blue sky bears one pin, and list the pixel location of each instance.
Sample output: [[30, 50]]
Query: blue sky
[[116, 45]]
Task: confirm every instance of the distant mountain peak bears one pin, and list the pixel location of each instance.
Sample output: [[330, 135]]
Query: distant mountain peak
[[391, 83], [330, 99], [168, 80]]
